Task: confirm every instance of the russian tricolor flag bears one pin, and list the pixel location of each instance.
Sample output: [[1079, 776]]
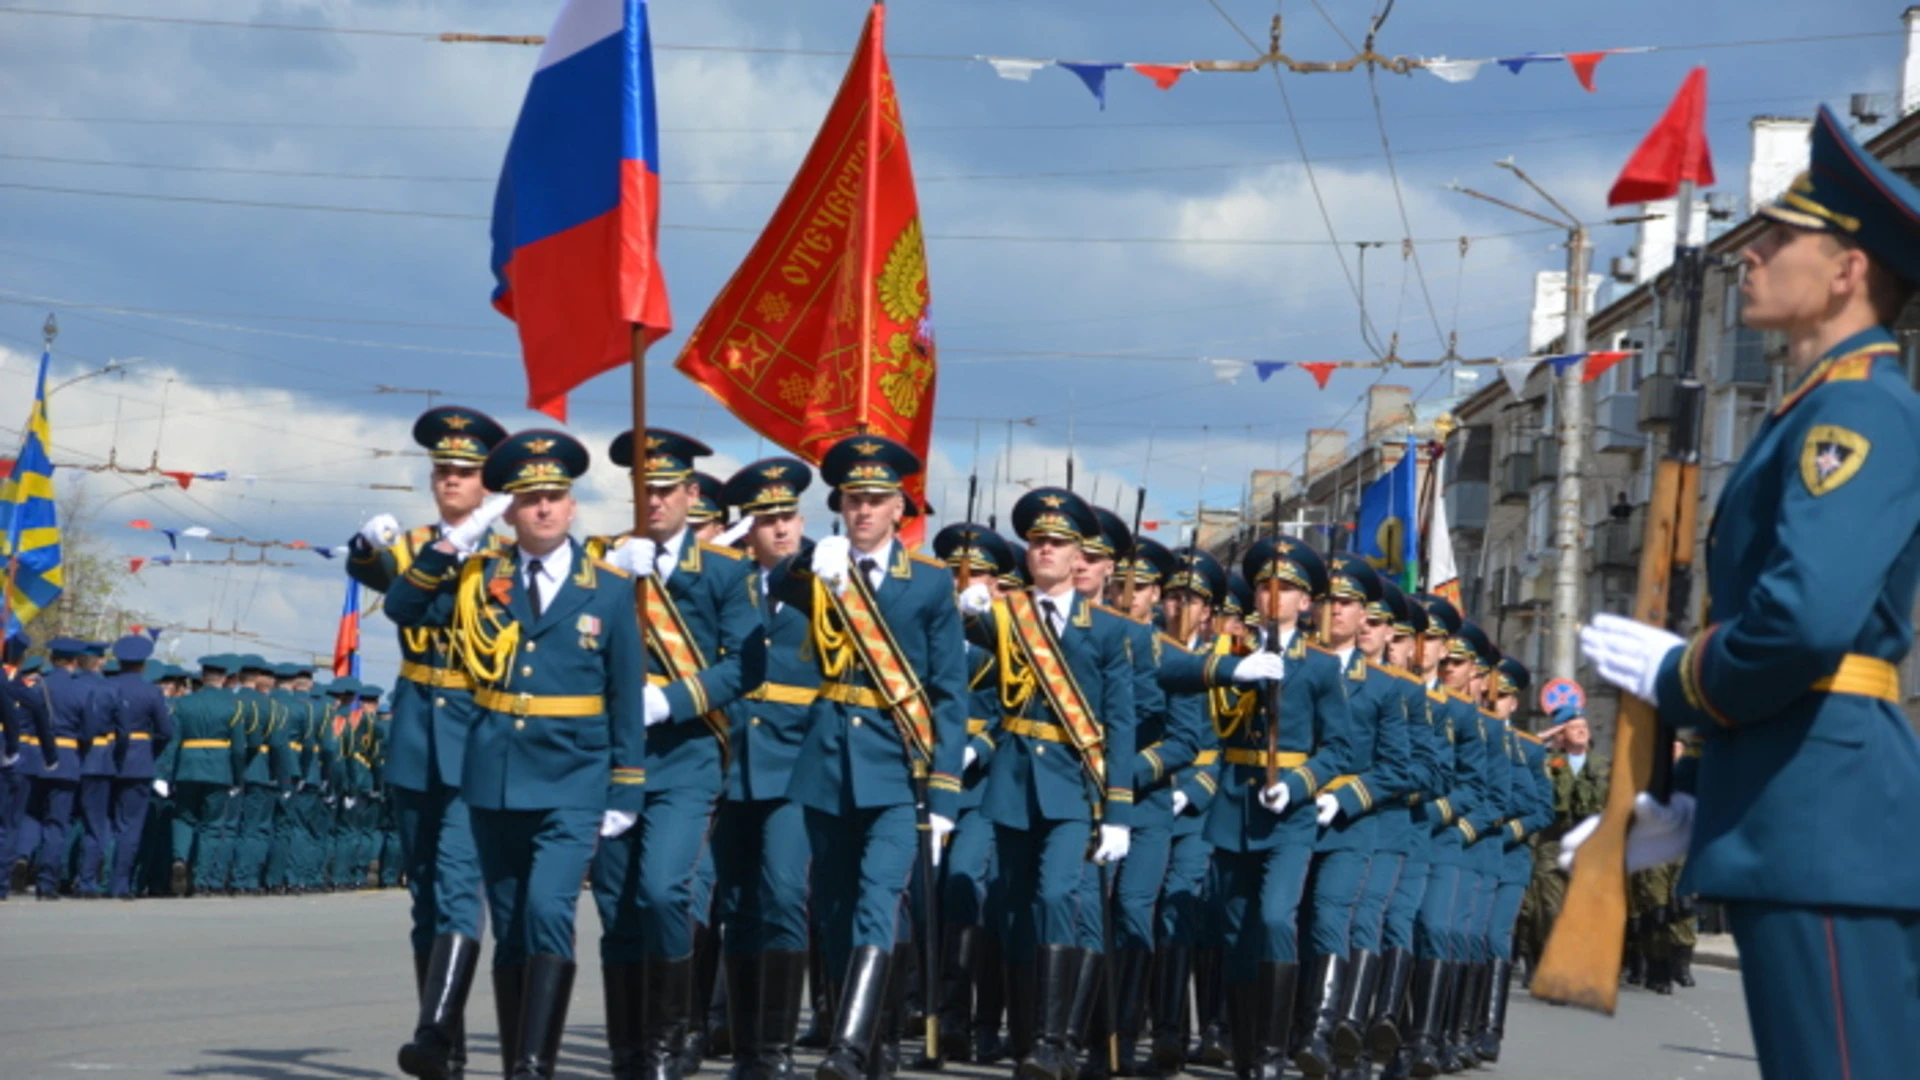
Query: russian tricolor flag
[[577, 214]]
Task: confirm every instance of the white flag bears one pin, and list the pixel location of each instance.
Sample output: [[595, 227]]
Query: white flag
[[1516, 372], [1015, 68], [1443, 578], [1454, 70]]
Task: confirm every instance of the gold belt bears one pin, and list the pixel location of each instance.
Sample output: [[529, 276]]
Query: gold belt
[[1280, 759], [139, 736], [64, 744], [782, 694], [863, 697], [977, 726], [1036, 729], [298, 748], [1206, 757], [539, 705], [207, 744], [1865, 676], [428, 675]]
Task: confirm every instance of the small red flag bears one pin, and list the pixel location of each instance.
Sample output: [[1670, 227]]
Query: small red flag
[[1163, 75], [139, 523], [184, 479], [1583, 64], [1599, 362], [825, 330], [1673, 152], [134, 565], [1321, 372]]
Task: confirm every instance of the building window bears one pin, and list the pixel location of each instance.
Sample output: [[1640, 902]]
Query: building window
[[1540, 518]]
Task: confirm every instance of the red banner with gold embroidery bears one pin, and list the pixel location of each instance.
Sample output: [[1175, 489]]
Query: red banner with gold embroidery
[[824, 331]]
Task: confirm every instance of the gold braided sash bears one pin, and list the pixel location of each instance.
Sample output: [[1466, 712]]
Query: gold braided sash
[[669, 639], [1033, 633], [850, 626]]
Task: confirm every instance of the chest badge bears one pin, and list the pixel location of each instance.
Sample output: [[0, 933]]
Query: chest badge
[[1832, 456]]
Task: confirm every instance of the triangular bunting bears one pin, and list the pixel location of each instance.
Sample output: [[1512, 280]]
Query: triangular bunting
[[1228, 371], [1321, 371], [1163, 75], [1515, 63], [134, 565], [1266, 368], [1095, 76], [1583, 64], [139, 523], [1014, 67], [1561, 363], [1599, 362], [1454, 71], [1674, 151], [1516, 372]]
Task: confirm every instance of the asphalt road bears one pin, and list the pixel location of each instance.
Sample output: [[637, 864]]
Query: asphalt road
[[317, 988]]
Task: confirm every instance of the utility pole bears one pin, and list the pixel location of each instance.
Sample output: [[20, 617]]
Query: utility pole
[[1572, 432]]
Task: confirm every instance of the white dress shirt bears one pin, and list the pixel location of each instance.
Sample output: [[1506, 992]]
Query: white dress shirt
[[555, 566], [667, 556], [881, 559], [1062, 603]]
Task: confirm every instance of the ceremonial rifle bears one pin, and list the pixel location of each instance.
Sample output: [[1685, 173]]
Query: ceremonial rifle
[[1271, 692], [1581, 964]]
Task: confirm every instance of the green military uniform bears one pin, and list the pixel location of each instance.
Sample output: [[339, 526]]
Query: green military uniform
[[1577, 795], [200, 769]]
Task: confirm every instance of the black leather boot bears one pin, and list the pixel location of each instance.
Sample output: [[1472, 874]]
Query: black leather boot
[[1055, 969], [439, 1036], [690, 1040], [718, 1008], [1660, 974], [959, 949], [1683, 965], [820, 1002], [1129, 971], [885, 1060], [1172, 971], [1279, 983], [1429, 1004], [1023, 1010], [543, 1016], [743, 974], [856, 1016], [1389, 1002], [782, 986], [1493, 1025], [989, 1001], [1464, 1010], [1324, 979], [1356, 999], [1243, 1029], [1087, 1027], [620, 993], [666, 993], [508, 983], [1453, 985], [1209, 983]]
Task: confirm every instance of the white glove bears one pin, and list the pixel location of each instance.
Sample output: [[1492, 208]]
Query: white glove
[[1275, 799], [967, 759], [1115, 841], [1180, 803], [1657, 834], [833, 561], [635, 555], [1627, 652], [615, 822], [658, 711], [381, 530], [1326, 809], [348, 802], [7, 760], [735, 531], [162, 788], [941, 827], [466, 536], [1260, 665], [975, 599]]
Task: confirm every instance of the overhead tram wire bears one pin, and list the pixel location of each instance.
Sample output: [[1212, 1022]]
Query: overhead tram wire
[[1313, 181], [1393, 171]]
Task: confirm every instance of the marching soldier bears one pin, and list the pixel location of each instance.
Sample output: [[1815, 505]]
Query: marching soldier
[[1479, 823], [74, 722], [708, 515], [892, 708], [705, 647], [144, 721], [1529, 808], [21, 709], [260, 788], [97, 771], [198, 772], [760, 839], [302, 840], [556, 752], [433, 710]]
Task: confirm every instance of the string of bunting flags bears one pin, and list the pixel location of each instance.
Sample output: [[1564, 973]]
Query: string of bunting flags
[[1515, 370], [1093, 73], [201, 532]]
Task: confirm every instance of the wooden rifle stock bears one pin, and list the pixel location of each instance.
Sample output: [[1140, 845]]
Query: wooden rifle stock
[[1581, 964]]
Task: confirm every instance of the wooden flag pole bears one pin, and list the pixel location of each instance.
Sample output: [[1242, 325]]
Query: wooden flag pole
[[640, 435]]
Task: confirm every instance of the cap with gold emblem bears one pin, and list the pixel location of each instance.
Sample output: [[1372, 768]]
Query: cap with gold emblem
[[1283, 558], [770, 486], [1198, 573], [872, 463], [1021, 576], [1407, 618], [1112, 539], [457, 435], [707, 503], [1056, 513], [537, 460], [1443, 619], [1510, 678], [1150, 564], [978, 546], [1849, 192], [1238, 600], [1472, 643], [1350, 577], [669, 458]]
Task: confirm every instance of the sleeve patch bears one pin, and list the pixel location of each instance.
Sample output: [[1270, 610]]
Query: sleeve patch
[[1831, 456]]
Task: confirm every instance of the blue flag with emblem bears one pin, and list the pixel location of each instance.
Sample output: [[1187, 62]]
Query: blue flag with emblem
[[1387, 536], [29, 520]]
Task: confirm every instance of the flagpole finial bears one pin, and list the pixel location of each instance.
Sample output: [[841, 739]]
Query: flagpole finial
[[50, 330]]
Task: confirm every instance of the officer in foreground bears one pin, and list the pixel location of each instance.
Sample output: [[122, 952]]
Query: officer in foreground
[[1801, 826]]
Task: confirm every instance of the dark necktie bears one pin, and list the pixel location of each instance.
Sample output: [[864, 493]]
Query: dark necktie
[[1052, 613], [867, 569], [534, 599]]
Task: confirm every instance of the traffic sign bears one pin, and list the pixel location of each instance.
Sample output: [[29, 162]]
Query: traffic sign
[[1559, 693]]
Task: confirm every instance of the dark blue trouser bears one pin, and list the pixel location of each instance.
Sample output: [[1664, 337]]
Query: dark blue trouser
[[965, 870], [1470, 898], [1433, 929], [862, 863], [1183, 892], [760, 866], [129, 819], [1830, 992], [1403, 909], [1043, 868], [1506, 909], [1256, 900], [96, 820], [1339, 879], [11, 809], [52, 807], [443, 870], [643, 879], [1370, 914], [532, 862], [1137, 886]]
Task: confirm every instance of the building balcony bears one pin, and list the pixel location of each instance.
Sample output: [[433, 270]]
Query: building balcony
[[1657, 401], [1616, 425], [1616, 544], [1467, 505], [1546, 459], [1516, 476]]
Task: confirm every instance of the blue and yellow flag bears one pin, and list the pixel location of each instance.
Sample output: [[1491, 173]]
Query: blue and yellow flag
[[29, 520], [1387, 536]]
